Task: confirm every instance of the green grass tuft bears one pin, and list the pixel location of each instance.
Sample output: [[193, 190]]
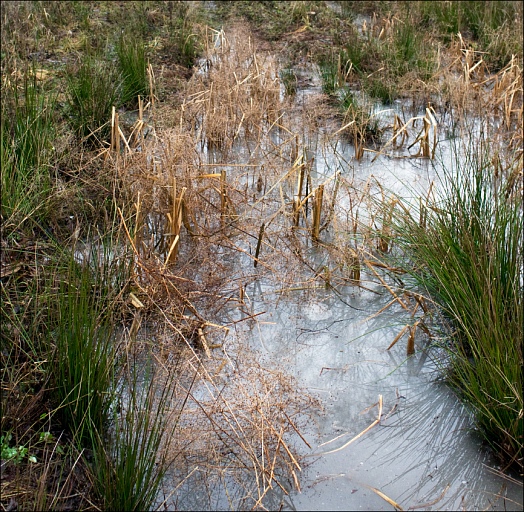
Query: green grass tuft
[[81, 331], [129, 469], [133, 67], [85, 356], [289, 80], [468, 255], [27, 136], [93, 88], [330, 75]]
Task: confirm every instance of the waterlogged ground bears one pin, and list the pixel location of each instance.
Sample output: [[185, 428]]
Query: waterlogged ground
[[299, 399], [423, 454]]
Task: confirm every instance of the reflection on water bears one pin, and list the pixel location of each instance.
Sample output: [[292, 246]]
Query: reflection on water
[[422, 450], [423, 454]]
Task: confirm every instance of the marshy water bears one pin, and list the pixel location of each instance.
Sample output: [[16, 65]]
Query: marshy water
[[304, 323], [423, 454]]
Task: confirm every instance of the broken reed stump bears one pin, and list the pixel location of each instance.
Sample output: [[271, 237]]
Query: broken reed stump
[[410, 349], [358, 142], [317, 209], [412, 330], [354, 266], [296, 211], [175, 222], [385, 237], [259, 244], [300, 181], [297, 201], [223, 197]]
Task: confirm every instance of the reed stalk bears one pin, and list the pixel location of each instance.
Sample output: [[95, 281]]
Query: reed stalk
[[223, 197], [317, 211], [259, 244]]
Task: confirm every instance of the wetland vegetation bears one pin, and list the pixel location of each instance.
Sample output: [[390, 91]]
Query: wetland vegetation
[[157, 158]]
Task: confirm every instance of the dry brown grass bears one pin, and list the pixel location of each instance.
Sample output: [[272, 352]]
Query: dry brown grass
[[201, 204], [468, 88], [197, 184], [239, 424]]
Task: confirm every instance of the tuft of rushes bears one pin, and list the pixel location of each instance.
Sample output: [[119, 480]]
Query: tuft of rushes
[[289, 80], [330, 75], [133, 67], [468, 255], [27, 136], [93, 88], [84, 356], [130, 465]]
